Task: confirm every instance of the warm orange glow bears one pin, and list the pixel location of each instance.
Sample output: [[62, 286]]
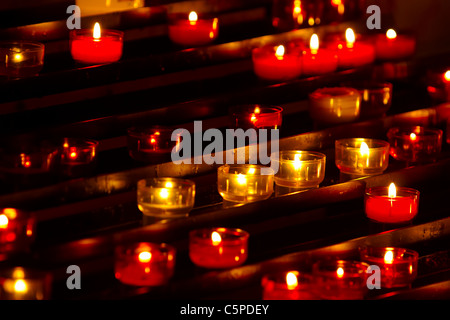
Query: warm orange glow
[[391, 34], [389, 257], [164, 193], [20, 286], [169, 184], [392, 193], [241, 179], [3, 221], [97, 31], [10, 212], [412, 136], [350, 37], [251, 171], [73, 154], [193, 17], [297, 162], [18, 57], [447, 76], [364, 149], [291, 280], [257, 110], [145, 256], [279, 53], [216, 238], [152, 140], [340, 272], [314, 43]]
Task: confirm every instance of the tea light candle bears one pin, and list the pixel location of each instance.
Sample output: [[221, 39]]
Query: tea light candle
[[20, 59], [165, 198], [391, 204], [144, 263], [218, 248], [292, 285], [97, 46], [341, 279], [398, 266], [151, 143], [359, 156], [245, 183], [77, 156], [277, 63], [353, 54], [24, 284], [193, 30], [257, 116], [439, 85], [299, 169], [30, 159], [394, 47], [317, 62], [17, 230], [415, 144], [334, 105]]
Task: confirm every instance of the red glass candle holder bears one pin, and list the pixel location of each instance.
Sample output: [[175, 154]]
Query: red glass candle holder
[[415, 144], [398, 266], [17, 230], [438, 84], [25, 284], [151, 144], [376, 97], [291, 285], [340, 279], [381, 207], [318, 61], [21, 59], [77, 156], [88, 48], [193, 29], [277, 63], [257, 116], [218, 248], [144, 263], [392, 46]]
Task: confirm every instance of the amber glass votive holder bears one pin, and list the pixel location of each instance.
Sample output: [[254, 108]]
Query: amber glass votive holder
[[21, 59], [245, 182], [78, 156], [331, 106], [415, 144], [340, 279], [144, 263], [17, 231], [299, 169], [151, 143], [362, 157], [290, 285], [218, 248], [398, 266], [24, 284]]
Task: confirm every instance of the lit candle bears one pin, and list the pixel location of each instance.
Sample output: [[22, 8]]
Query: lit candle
[[331, 106], [24, 284], [245, 183], [144, 263], [292, 285], [96, 46], [317, 62], [391, 204], [277, 62], [20, 59], [165, 198], [352, 54], [415, 144], [391, 46], [193, 31], [340, 279], [17, 230], [77, 156], [257, 116], [358, 156], [398, 266], [439, 85], [218, 248], [299, 169]]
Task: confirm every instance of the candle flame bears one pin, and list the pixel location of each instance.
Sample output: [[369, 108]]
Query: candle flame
[[18, 57], [350, 37], [3, 221], [291, 280], [389, 257], [216, 238], [364, 149], [447, 76], [241, 179], [314, 43], [297, 163], [279, 53], [391, 34], [412, 136], [164, 193], [193, 17], [169, 184], [340, 272], [251, 171], [10, 212], [392, 193], [145, 256], [97, 32], [20, 286], [257, 110]]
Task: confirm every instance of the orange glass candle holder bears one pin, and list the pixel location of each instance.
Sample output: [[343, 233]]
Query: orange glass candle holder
[[193, 29], [398, 266], [144, 263], [17, 231], [341, 279], [150, 143], [257, 116], [21, 59], [391, 204], [415, 144], [77, 156], [277, 63], [360, 157], [25, 284], [291, 285], [218, 248]]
